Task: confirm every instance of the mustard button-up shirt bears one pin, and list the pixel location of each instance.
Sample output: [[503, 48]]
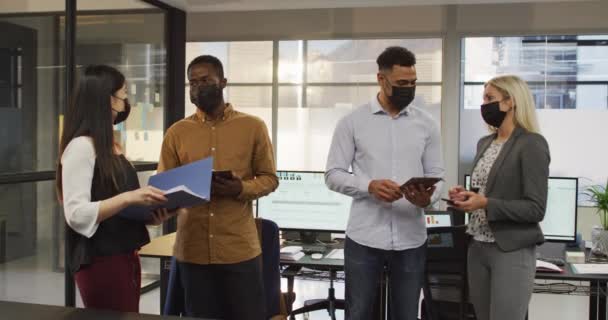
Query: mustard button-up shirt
[[223, 230]]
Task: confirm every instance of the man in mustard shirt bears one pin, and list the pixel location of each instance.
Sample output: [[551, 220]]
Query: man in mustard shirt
[[217, 247]]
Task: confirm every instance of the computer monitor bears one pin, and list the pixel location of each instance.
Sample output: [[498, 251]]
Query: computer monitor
[[435, 219], [559, 224], [302, 202]]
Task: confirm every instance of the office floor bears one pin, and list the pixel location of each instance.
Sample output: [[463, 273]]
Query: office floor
[[32, 280]]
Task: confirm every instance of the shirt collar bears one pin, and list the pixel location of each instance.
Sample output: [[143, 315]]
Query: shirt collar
[[376, 108], [201, 115]]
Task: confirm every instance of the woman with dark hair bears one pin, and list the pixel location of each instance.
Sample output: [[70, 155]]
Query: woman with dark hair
[[95, 182]]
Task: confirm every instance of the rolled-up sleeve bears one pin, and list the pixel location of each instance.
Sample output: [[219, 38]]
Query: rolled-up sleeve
[[78, 165]]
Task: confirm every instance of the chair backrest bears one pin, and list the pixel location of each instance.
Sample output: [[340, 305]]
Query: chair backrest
[[447, 249], [175, 304], [446, 269], [268, 233]]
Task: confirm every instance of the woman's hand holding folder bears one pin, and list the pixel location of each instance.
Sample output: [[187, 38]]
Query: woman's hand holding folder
[[147, 196]]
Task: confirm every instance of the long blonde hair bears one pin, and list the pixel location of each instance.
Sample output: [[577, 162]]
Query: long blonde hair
[[525, 109]]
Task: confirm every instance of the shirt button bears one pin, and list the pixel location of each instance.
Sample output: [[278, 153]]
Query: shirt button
[[211, 214], [210, 236]]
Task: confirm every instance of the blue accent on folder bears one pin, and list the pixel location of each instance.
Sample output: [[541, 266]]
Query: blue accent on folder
[[186, 186]]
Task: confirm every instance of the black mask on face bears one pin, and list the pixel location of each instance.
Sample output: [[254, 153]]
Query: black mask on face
[[492, 114], [402, 96], [122, 115], [208, 98]]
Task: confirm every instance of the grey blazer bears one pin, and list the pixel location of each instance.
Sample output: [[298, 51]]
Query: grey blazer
[[517, 189]]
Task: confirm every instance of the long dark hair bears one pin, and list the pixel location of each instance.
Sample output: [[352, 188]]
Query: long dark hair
[[89, 114]]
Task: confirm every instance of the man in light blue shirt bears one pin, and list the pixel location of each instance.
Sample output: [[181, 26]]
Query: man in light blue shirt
[[386, 142]]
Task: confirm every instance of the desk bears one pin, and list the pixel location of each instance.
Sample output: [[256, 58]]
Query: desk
[[292, 268], [162, 248], [597, 286], [159, 247], [16, 310]]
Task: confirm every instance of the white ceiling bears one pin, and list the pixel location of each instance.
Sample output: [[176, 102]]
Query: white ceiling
[[252, 5]]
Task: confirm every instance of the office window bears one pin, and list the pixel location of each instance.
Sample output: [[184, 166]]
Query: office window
[[323, 80], [248, 68], [140, 55], [318, 82], [568, 77], [32, 74]]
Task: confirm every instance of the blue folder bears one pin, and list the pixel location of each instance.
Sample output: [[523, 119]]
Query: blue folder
[[195, 176]]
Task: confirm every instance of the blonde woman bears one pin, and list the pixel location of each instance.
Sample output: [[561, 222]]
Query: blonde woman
[[511, 170]]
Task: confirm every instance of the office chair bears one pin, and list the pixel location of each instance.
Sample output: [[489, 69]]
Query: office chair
[[446, 272], [331, 304], [277, 303], [174, 301]]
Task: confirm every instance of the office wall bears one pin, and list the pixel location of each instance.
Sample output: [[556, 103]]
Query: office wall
[[587, 218], [21, 6], [537, 18], [315, 24], [400, 21]]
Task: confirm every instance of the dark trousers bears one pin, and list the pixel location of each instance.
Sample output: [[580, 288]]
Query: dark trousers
[[111, 283], [363, 267], [224, 291]]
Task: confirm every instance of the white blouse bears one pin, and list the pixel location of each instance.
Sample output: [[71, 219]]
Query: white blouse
[[78, 165]]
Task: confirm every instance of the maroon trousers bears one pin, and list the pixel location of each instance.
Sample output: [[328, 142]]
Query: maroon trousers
[[111, 283]]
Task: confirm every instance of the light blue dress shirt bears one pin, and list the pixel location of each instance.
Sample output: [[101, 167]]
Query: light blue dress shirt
[[378, 146]]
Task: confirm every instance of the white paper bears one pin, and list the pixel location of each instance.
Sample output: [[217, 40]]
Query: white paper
[[184, 189], [547, 266], [591, 268], [291, 250], [337, 254], [292, 257]]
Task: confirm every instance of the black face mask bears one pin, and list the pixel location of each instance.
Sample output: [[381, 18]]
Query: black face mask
[[492, 114], [402, 96], [208, 98], [122, 115]]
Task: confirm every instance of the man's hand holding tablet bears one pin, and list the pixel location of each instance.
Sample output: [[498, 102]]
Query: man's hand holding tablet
[[418, 190]]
